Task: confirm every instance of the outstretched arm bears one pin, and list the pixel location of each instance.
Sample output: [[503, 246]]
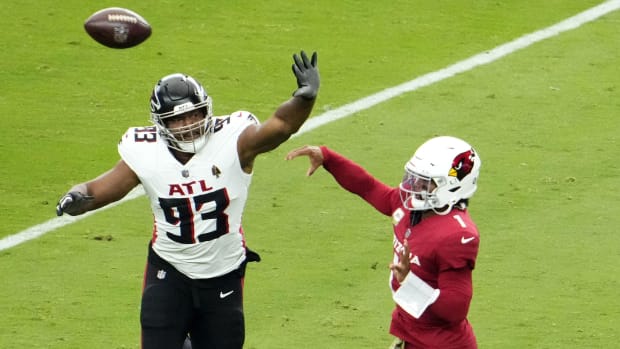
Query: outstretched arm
[[287, 119], [111, 186], [349, 175]]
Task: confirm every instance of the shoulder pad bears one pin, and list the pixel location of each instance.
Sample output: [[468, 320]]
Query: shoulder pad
[[242, 114], [238, 120], [146, 134]]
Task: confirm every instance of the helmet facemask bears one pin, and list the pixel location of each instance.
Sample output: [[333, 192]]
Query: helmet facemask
[[175, 96], [187, 138], [416, 191]]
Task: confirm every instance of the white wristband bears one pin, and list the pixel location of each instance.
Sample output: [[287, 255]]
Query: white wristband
[[414, 295]]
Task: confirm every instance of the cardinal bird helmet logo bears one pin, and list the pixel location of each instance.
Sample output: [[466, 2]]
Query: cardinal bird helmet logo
[[462, 164]]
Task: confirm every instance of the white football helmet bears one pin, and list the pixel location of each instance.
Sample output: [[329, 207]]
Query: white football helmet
[[176, 94], [443, 171]]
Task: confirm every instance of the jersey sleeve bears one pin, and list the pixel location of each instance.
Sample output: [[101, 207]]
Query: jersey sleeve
[[357, 180], [125, 143], [134, 143], [458, 252], [455, 294], [457, 242], [235, 123]]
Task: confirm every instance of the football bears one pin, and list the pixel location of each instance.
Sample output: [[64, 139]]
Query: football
[[117, 27]]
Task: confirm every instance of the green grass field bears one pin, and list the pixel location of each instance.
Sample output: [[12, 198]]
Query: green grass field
[[543, 119]]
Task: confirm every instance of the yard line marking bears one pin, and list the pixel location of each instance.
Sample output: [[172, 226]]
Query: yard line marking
[[365, 103], [58, 222], [462, 66]]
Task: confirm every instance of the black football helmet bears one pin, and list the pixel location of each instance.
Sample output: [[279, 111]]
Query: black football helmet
[[177, 94]]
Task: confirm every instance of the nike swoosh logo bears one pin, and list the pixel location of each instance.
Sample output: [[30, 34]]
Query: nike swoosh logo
[[224, 295], [465, 241]]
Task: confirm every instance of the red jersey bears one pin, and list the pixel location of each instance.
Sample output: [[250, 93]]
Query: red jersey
[[443, 254]]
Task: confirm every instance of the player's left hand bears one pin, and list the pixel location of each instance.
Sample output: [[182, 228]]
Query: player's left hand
[[402, 268], [307, 73], [313, 152]]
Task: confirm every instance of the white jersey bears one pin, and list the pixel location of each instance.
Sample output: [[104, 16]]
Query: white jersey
[[197, 206]]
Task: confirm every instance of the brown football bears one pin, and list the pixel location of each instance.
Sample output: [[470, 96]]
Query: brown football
[[117, 27]]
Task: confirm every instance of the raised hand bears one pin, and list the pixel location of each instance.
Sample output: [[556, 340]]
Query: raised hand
[[307, 73]]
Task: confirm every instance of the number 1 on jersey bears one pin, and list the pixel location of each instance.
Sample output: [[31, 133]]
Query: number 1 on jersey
[[460, 220]]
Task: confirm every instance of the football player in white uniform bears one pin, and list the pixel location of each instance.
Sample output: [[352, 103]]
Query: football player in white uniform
[[196, 170]]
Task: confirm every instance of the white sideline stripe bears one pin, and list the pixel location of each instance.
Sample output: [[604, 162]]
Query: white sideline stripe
[[58, 222], [462, 66], [365, 103]]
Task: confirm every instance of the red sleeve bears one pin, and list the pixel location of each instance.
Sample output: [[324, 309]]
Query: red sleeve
[[455, 295], [458, 249], [357, 180]]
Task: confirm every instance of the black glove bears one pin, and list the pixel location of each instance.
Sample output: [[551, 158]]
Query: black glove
[[307, 74], [72, 203]]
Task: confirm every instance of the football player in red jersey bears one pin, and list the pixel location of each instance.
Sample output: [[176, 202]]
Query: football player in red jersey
[[435, 240], [196, 170]]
